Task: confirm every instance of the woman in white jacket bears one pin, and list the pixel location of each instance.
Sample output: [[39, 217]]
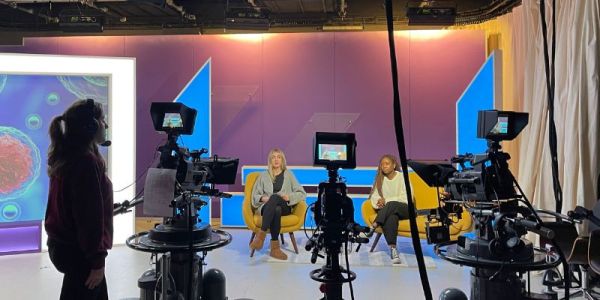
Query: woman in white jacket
[[389, 198], [275, 193]]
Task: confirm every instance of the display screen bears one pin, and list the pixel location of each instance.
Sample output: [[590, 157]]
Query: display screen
[[333, 152], [172, 120], [501, 127], [29, 102]]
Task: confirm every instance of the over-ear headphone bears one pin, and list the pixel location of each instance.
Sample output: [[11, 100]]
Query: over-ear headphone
[[91, 124]]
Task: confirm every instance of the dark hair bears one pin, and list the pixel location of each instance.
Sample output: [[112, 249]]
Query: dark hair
[[379, 177], [72, 134]]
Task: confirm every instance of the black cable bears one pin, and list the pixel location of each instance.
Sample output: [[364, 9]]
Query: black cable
[[562, 257], [141, 175], [306, 213], [402, 151], [348, 269], [552, 140], [190, 244]]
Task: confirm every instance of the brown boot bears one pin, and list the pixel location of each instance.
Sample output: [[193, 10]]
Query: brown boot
[[258, 241], [276, 251]]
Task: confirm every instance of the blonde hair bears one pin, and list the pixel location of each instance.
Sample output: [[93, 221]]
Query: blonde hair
[[379, 177], [270, 166]]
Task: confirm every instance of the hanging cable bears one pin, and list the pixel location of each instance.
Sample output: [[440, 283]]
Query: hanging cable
[[402, 151], [550, 90]]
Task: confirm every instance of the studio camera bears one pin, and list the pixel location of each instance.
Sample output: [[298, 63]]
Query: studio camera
[[334, 213], [176, 190], [195, 176], [483, 185]]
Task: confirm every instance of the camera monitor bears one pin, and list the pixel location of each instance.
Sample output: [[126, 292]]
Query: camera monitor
[[332, 149], [223, 170], [500, 125], [172, 117], [434, 174]]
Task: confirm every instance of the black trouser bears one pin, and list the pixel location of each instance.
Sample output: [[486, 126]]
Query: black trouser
[[70, 261], [272, 212], [388, 217]]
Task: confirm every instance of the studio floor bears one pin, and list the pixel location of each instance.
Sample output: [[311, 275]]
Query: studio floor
[[32, 276]]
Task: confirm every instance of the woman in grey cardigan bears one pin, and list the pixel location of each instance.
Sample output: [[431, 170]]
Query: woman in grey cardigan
[[275, 193]]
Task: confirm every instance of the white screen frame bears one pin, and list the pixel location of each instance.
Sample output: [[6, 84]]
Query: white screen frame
[[122, 101]]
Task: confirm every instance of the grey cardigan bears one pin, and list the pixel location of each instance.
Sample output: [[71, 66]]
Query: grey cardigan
[[264, 187]]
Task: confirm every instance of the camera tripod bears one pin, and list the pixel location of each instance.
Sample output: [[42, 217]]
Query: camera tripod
[[334, 215]]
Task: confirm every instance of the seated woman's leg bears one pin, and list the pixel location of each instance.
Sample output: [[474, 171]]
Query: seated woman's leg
[[395, 212], [384, 213], [390, 230], [281, 209], [275, 226], [268, 214]]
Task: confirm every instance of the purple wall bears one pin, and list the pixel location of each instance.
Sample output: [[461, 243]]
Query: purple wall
[[278, 89]]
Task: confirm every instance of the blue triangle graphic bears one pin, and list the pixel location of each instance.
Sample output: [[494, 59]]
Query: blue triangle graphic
[[479, 95], [197, 94]]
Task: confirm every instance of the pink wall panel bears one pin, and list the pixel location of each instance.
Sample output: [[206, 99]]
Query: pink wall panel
[[440, 69], [298, 82], [275, 90]]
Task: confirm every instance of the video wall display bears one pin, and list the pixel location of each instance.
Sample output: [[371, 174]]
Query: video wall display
[[29, 102]]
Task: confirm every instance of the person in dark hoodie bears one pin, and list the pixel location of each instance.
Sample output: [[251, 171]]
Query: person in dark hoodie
[[79, 219]]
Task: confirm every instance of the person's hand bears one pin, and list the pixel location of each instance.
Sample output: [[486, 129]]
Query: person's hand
[[285, 197], [380, 203], [445, 195], [264, 198], [95, 278]]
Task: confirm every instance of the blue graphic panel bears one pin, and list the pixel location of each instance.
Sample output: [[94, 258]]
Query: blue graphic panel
[[479, 95], [357, 201], [29, 102], [196, 94], [231, 210], [205, 211]]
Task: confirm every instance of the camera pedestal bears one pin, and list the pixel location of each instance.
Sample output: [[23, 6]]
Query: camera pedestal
[[498, 279], [331, 277], [175, 259]]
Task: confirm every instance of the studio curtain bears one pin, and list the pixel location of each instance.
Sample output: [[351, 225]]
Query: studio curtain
[[577, 94]]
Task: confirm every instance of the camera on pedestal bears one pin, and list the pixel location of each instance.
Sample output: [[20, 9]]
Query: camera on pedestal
[[182, 240], [334, 213], [484, 186]]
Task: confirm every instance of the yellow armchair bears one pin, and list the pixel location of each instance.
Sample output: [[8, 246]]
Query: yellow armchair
[[424, 197], [253, 219]]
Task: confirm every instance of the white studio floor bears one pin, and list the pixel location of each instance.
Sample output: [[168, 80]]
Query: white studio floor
[[32, 276]]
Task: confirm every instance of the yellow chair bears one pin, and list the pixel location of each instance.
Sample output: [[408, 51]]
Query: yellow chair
[[424, 197], [253, 220]]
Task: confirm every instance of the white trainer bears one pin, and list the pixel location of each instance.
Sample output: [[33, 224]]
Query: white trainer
[[395, 257]]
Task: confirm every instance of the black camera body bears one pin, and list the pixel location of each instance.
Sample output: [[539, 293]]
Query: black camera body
[[483, 178], [195, 176], [334, 212], [483, 185], [333, 151], [193, 172]]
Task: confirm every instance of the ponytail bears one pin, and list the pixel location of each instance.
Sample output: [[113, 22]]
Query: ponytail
[[56, 150]]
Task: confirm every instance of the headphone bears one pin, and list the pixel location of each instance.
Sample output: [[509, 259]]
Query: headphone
[[91, 124]]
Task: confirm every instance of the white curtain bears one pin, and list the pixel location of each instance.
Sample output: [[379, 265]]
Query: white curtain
[[577, 94]]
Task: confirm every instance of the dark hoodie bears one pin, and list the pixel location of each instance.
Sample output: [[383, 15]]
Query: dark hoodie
[[80, 206]]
